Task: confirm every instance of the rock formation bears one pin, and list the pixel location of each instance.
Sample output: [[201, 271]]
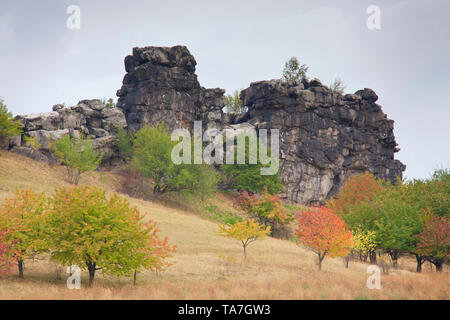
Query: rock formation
[[325, 136], [89, 117], [161, 86]]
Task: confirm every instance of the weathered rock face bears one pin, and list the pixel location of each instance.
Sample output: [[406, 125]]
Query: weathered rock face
[[325, 137], [90, 118], [161, 86]]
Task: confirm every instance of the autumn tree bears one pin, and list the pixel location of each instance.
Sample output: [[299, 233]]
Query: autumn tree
[[246, 231], [434, 240], [97, 232], [267, 209], [363, 243], [8, 256], [78, 155], [323, 232], [357, 189], [22, 215]]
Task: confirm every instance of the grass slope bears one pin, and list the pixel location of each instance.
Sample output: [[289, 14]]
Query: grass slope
[[205, 266]]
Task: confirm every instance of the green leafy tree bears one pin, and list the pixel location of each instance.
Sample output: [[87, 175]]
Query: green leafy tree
[[294, 71], [97, 232], [248, 177], [108, 103], [125, 144], [78, 155], [395, 221], [431, 194], [152, 157], [233, 103], [8, 126]]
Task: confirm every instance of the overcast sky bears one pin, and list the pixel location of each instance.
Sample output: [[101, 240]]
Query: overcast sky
[[407, 62]]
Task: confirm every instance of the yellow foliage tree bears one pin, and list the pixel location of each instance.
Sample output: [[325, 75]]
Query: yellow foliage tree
[[246, 231], [23, 215]]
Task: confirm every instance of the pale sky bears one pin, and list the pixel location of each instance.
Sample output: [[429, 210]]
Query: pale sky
[[407, 62]]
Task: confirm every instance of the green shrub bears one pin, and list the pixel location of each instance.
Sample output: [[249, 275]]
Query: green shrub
[[152, 151], [8, 126], [77, 155]]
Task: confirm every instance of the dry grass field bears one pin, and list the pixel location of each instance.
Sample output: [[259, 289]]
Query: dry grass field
[[206, 266]]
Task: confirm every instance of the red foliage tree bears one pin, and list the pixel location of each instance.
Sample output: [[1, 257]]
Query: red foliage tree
[[434, 240], [324, 232], [8, 256]]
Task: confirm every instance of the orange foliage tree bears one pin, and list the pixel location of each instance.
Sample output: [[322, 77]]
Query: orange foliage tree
[[8, 256], [22, 215], [324, 232], [267, 209], [358, 188]]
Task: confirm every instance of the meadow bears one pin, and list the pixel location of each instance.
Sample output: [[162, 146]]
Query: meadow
[[205, 265]]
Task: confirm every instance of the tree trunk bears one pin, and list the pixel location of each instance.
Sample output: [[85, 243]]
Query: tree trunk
[[394, 257], [373, 257], [347, 259], [134, 278], [438, 265], [20, 264], [91, 267], [245, 252], [420, 261], [321, 257]]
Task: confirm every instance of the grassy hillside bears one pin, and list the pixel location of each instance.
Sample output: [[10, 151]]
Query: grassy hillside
[[206, 266]]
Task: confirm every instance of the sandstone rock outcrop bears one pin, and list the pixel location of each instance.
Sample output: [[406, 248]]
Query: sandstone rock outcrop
[[89, 117], [161, 86], [325, 137]]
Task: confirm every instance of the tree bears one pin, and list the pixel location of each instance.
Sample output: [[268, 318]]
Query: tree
[[78, 155], [337, 86], [434, 240], [125, 144], [246, 231], [8, 256], [152, 151], [363, 242], [97, 232], [432, 194], [266, 209], [324, 232], [233, 103], [22, 215], [248, 177], [294, 71], [8, 126], [357, 189], [108, 103], [394, 220]]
